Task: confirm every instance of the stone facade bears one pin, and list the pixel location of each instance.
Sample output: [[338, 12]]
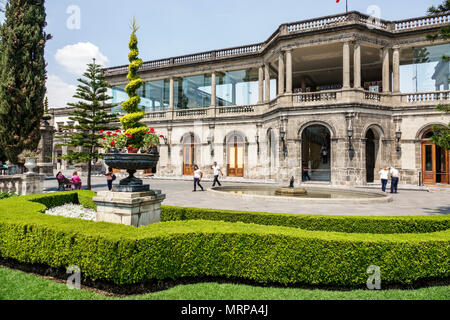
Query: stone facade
[[349, 49]]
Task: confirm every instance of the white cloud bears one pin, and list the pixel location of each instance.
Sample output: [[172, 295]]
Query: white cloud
[[59, 93], [74, 58]]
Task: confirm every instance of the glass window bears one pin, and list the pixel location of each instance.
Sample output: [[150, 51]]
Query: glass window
[[423, 69], [156, 95], [120, 96], [192, 92], [238, 87], [428, 158]]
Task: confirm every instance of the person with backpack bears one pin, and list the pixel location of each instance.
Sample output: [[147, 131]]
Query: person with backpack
[[110, 177]]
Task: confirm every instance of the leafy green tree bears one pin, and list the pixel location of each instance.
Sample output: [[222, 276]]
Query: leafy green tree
[[22, 76], [92, 114], [441, 135]]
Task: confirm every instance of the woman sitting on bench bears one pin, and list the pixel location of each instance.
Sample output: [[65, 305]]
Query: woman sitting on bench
[[76, 181], [63, 182]]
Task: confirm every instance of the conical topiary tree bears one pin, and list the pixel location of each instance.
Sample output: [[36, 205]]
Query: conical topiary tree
[[130, 121]]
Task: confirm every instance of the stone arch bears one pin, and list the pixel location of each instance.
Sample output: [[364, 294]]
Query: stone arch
[[189, 135], [427, 127], [322, 123], [376, 128], [373, 151], [190, 152], [316, 151]]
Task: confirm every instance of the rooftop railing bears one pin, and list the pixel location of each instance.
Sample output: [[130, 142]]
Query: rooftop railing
[[300, 27]]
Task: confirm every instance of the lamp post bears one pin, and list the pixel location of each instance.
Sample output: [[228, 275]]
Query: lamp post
[[398, 136], [283, 139]]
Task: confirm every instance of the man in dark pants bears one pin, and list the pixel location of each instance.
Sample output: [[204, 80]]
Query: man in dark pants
[[198, 175], [217, 170], [394, 179]]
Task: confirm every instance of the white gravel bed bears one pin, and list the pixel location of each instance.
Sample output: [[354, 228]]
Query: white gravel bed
[[71, 210]]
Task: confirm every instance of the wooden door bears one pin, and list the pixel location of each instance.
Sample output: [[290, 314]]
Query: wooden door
[[188, 159], [428, 163], [235, 167]]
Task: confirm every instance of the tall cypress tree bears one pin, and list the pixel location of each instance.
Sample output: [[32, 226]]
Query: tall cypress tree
[[91, 115], [22, 76]]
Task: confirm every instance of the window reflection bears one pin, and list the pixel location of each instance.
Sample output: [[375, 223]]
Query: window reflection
[[192, 92], [423, 69]]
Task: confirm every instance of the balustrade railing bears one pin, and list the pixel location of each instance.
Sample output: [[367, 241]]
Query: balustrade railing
[[10, 184], [191, 112], [313, 24], [294, 28], [424, 97], [422, 22], [236, 109], [375, 96], [316, 96], [156, 114]]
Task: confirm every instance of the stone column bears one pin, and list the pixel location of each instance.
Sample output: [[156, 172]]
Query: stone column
[[289, 71], [396, 71], [357, 65], [386, 75], [213, 89], [45, 160], [261, 84], [267, 83], [281, 73], [346, 65], [171, 100]]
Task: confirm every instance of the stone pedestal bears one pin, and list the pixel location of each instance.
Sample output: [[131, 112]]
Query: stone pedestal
[[45, 160], [129, 208]]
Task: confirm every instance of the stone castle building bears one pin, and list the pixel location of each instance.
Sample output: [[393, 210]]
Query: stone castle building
[[331, 99]]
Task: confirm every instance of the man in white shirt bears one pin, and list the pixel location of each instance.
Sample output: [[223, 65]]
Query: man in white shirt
[[198, 174], [384, 176], [394, 179], [217, 170]]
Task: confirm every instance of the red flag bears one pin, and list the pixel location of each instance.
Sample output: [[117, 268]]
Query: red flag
[[337, 1]]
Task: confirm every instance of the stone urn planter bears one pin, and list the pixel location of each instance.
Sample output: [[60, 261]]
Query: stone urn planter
[[131, 162], [30, 164]]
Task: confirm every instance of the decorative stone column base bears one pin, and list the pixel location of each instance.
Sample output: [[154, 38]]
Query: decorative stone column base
[[129, 208]]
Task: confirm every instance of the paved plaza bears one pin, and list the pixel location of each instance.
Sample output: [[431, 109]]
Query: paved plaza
[[179, 193]]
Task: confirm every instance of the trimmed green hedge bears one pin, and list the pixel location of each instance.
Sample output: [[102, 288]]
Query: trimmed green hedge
[[171, 250], [348, 224]]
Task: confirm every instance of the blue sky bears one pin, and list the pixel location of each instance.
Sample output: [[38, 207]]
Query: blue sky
[[177, 27]]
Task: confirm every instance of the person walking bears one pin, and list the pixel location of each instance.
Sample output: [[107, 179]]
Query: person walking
[[216, 170], [198, 175], [394, 179], [110, 177], [384, 176]]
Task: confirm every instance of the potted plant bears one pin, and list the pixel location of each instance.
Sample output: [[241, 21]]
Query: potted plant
[[122, 146]]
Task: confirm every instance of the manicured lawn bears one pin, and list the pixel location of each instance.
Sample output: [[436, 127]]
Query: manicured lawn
[[22, 286]]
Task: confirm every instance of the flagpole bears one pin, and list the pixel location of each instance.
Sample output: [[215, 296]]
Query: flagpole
[[346, 6]]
